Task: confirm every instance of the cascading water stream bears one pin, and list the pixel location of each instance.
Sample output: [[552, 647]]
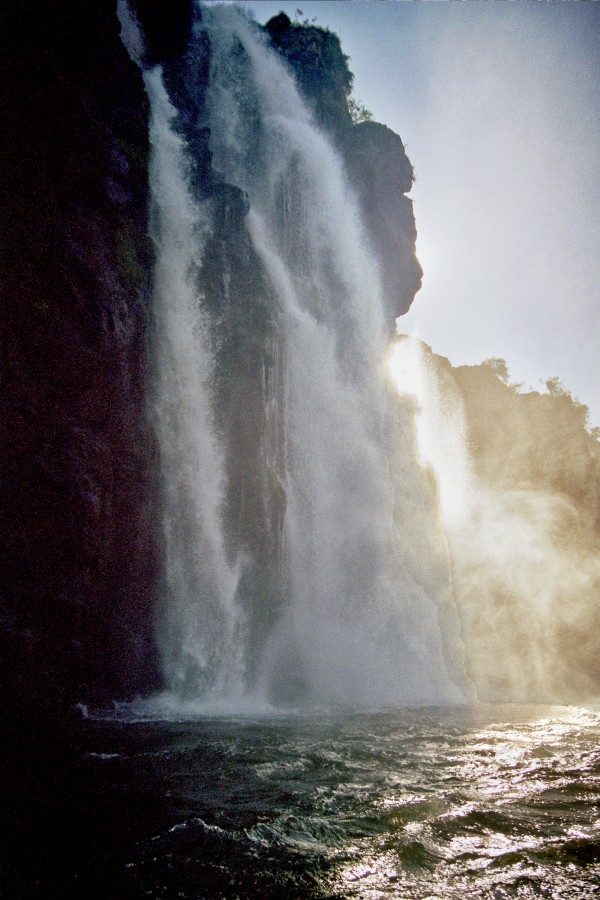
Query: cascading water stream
[[354, 626], [201, 628]]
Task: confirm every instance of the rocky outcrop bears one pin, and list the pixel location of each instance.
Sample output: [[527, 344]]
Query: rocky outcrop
[[320, 67], [374, 155], [382, 175], [79, 560]]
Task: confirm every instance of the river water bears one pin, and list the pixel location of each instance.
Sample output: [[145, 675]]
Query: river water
[[485, 801]]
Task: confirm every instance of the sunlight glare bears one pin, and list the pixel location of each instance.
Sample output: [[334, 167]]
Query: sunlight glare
[[440, 427]]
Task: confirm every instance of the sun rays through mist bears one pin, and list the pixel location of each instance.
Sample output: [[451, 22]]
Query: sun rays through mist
[[525, 568]]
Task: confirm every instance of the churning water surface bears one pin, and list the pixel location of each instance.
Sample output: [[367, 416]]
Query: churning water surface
[[486, 801]]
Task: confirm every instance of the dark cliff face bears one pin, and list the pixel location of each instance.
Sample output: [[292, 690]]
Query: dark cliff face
[[382, 175], [166, 27], [79, 570], [376, 161]]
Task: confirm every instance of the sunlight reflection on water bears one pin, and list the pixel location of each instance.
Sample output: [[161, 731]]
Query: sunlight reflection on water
[[487, 801]]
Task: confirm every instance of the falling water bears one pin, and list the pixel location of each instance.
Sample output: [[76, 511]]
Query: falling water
[[201, 629], [355, 626]]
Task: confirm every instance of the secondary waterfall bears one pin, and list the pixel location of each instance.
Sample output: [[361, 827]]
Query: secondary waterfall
[[200, 630], [294, 570]]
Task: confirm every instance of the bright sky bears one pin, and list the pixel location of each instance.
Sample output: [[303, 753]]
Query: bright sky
[[498, 104]]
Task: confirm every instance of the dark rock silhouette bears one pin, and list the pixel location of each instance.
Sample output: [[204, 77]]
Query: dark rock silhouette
[[377, 164], [79, 561]]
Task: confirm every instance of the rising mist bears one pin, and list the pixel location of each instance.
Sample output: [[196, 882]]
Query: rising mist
[[518, 480]]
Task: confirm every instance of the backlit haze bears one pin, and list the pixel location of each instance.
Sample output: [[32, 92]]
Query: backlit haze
[[499, 109]]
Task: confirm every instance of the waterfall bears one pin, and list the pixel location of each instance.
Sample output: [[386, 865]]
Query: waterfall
[[200, 631], [292, 582]]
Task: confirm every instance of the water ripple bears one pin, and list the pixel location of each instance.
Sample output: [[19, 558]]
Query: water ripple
[[471, 803]]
